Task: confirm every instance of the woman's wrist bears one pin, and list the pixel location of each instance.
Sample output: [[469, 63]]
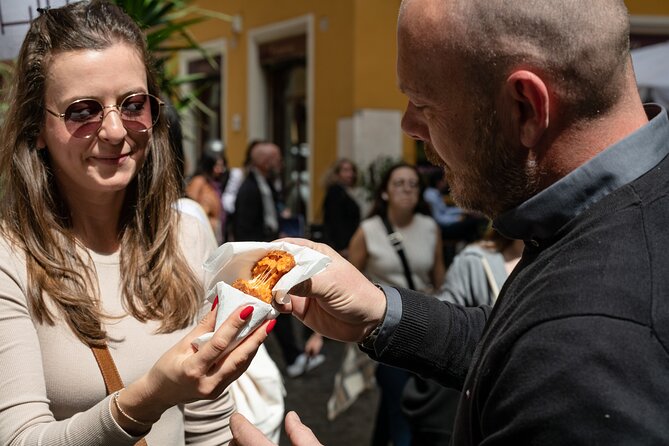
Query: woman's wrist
[[134, 411], [129, 423]]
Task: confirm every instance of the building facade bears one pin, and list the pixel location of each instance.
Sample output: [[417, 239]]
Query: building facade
[[318, 78]]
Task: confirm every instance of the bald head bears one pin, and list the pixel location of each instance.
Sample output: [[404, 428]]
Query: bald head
[[580, 47], [266, 157]]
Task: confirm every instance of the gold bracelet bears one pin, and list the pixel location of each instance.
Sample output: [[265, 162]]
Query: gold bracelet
[[118, 407]]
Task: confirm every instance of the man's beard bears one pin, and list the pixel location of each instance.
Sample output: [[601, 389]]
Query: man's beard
[[500, 176]]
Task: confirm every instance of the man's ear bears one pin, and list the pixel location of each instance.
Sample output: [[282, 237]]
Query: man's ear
[[530, 105]]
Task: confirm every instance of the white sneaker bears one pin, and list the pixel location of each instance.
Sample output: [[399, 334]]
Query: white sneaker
[[304, 364]]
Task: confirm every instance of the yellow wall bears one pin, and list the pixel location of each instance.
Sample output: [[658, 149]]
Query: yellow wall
[[648, 7], [354, 66], [332, 64], [374, 58]]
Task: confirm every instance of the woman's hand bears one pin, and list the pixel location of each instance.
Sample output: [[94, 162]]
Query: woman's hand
[[184, 374], [339, 302]]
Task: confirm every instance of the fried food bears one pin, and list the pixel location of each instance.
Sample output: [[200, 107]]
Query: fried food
[[265, 274]]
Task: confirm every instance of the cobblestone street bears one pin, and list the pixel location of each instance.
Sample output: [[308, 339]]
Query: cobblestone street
[[308, 395]]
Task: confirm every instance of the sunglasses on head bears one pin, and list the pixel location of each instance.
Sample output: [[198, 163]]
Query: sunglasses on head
[[139, 113]]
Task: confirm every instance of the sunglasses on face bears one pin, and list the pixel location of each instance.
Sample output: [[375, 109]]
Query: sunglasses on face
[[83, 118]]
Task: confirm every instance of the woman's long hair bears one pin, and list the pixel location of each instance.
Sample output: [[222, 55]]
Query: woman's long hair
[[380, 206], [332, 175], [157, 283]]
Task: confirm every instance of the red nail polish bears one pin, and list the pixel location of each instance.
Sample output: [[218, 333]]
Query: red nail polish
[[271, 325], [246, 312], [215, 303]]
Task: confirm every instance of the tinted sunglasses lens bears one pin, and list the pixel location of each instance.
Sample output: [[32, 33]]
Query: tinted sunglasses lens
[[140, 112], [83, 118]]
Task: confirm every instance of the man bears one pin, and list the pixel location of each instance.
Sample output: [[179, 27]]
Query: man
[[256, 217], [532, 110]]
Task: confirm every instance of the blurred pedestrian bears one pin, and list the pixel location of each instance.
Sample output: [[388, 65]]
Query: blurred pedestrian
[[458, 227], [341, 212], [256, 204], [207, 184], [390, 247]]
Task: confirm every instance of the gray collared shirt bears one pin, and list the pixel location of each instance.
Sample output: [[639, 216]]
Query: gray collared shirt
[[544, 214]]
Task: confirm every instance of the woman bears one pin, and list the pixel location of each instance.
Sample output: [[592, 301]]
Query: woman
[[398, 201], [341, 213], [92, 253], [479, 271], [206, 187]]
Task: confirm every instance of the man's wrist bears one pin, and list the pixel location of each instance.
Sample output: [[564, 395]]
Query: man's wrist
[[370, 338]]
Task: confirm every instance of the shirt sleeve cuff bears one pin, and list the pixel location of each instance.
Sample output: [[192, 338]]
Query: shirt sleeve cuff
[[391, 319]]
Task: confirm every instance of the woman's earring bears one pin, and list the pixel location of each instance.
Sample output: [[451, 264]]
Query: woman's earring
[[384, 196]]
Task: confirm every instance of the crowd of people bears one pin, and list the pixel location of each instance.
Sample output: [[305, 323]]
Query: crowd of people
[[540, 333]]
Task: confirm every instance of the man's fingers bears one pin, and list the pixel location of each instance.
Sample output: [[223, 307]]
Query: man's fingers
[[298, 433], [246, 434], [301, 289], [320, 247]]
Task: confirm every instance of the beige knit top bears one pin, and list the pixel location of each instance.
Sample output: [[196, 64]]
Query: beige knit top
[[51, 390]]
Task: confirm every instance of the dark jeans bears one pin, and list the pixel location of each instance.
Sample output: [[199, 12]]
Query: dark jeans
[[391, 425]]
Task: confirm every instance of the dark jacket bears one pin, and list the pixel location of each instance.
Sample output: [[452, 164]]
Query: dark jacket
[[249, 220], [341, 217]]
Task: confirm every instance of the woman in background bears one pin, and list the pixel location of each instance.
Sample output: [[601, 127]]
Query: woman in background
[[206, 187], [341, 213], [399, 201]]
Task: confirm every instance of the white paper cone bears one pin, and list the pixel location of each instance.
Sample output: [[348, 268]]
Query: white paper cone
[[232, 261]]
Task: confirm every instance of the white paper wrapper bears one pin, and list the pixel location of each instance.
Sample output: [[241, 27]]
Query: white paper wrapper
[[234, 260]]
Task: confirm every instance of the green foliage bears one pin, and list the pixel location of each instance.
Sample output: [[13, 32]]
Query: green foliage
[[6, 71], [167, 26]]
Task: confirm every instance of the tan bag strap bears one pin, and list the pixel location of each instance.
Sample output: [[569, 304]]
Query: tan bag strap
[[491, 278], [113, 381], [110, 375]]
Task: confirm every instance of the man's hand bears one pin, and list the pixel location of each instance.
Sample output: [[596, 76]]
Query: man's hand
[[246, 434], [339, 302]]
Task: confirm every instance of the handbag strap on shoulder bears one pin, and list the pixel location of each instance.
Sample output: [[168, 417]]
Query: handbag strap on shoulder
[[110, 375], [395, 239]]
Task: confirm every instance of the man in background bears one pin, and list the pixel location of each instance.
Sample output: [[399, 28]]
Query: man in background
[[256, 212]]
